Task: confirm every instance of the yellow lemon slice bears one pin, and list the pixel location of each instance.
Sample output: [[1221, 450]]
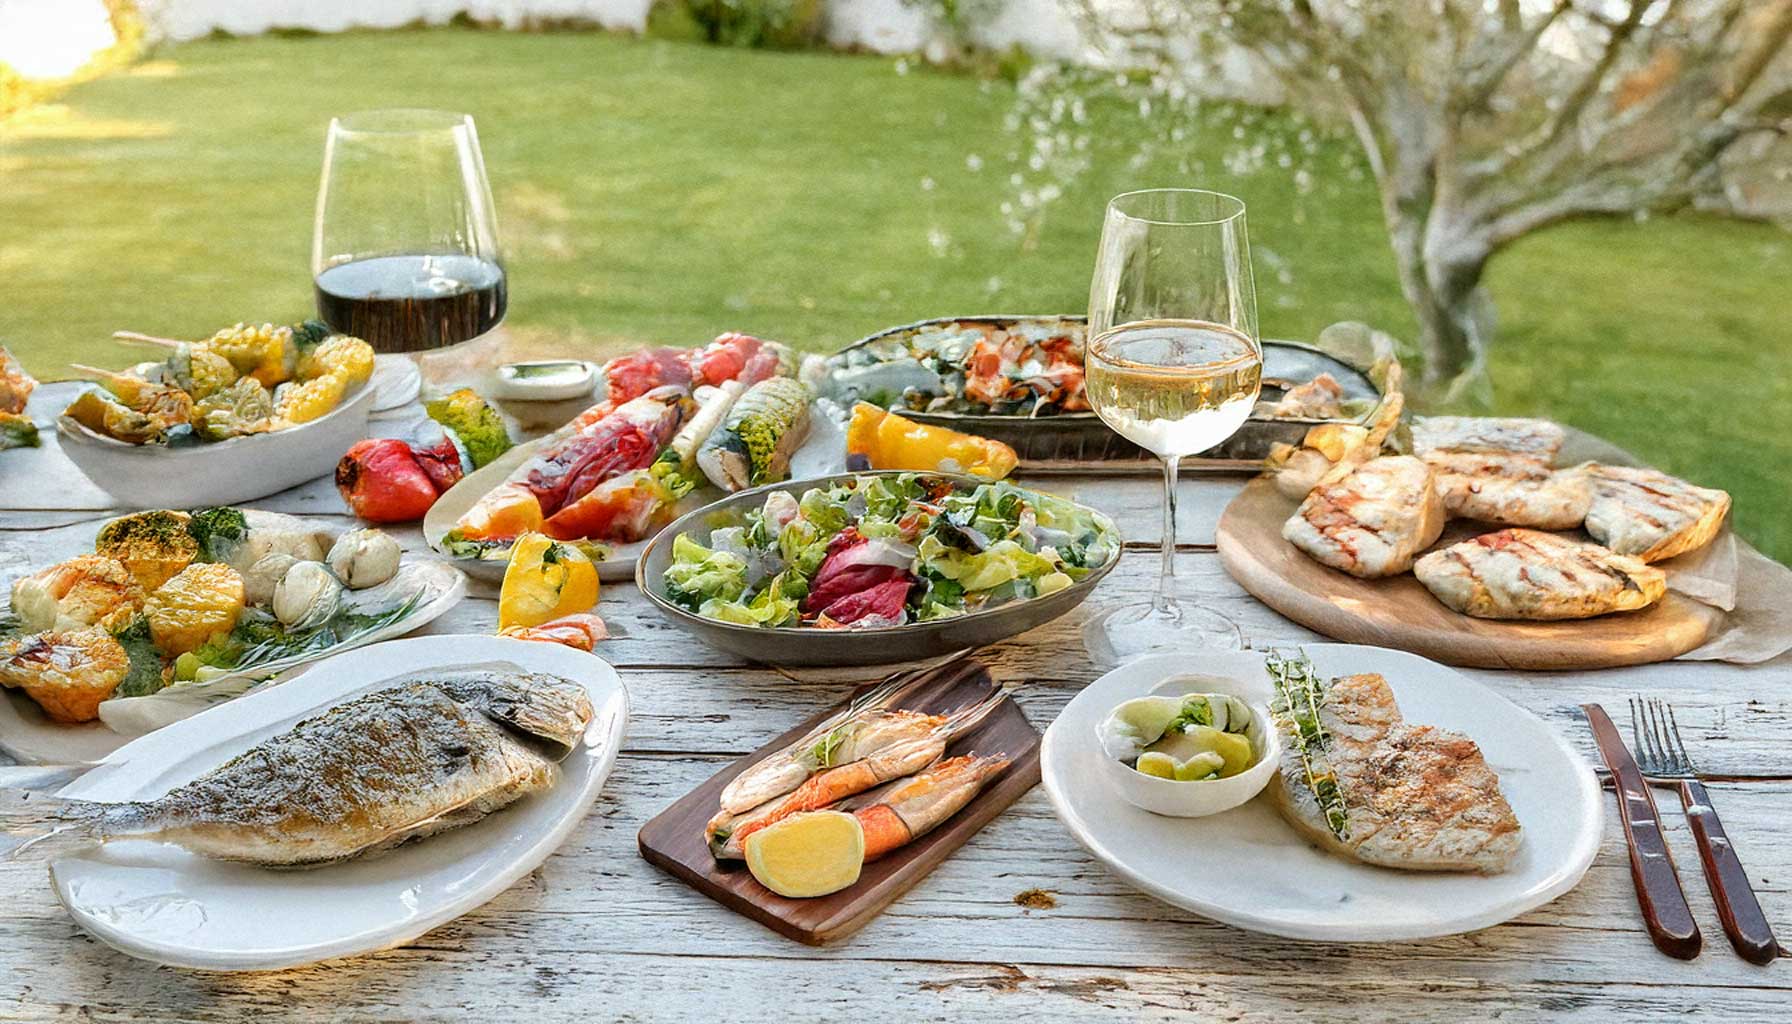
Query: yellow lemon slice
[[808, 855]]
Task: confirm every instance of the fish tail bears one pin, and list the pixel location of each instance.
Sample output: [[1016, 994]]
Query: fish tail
[[35, 826]]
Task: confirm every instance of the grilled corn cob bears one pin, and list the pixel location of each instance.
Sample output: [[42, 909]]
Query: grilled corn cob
[[200, 372], [762, 430], [341, 356], [304, 401]]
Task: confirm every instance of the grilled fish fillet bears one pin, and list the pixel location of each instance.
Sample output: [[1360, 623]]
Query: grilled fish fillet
[[1524, 574], [1416, 797], [1651, 515], [1373, 521], [397, 764]]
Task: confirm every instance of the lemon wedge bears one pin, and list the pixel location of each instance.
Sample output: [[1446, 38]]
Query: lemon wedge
[[808, 855]]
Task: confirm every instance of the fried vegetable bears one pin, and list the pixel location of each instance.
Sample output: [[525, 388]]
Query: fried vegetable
[[103, 414], [244, 407], [69, 673], [17, 430], [202, 600], [474, 422], [15, 384], [152, 545], [545, 581], [84, 591]]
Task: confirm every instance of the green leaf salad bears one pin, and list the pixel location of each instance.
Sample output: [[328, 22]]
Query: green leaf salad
[[880, 551]]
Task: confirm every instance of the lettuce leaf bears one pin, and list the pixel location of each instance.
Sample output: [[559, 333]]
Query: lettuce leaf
[[1004, 562], [698, 575]]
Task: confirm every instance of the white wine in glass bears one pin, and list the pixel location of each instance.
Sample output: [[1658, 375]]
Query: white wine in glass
[[1173, 364]]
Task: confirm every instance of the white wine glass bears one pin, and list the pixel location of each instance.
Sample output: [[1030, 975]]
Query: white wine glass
[[1173, 364]]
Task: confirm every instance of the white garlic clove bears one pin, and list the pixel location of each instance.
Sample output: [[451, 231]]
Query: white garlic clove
[[307, 595], [364, 558], [261, 578]]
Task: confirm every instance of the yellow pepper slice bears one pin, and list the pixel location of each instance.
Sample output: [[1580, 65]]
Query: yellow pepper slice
[[545, 580]]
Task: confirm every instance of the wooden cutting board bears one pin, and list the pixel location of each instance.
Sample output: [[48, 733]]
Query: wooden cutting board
[[673, 840], [1400, 613]]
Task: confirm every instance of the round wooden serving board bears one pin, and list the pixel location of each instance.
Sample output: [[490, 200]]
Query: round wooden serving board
[[1400, 613]]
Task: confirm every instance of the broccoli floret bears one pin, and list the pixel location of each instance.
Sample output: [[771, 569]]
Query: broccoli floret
[[144, 677], [218, 531], [477, 425]]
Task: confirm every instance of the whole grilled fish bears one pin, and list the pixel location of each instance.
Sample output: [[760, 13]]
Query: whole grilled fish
[[398, 764]]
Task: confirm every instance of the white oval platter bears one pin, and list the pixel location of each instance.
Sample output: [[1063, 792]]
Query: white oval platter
[[160, 903]]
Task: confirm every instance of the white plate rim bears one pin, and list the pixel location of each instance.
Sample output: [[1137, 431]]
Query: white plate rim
[[1583, 851], [610, 723]]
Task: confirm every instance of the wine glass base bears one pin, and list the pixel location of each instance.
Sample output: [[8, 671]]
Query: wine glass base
[[396, 382], [1121, 634]]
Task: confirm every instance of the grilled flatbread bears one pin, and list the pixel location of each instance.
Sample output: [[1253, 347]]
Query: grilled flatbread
[[1536, 440], [1650, 514], [1558, 500], [1524, 574], [1498, 471], [1416, 797], [1373, 521]]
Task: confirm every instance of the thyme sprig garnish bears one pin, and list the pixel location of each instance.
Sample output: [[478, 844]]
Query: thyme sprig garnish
[[1299, 695]]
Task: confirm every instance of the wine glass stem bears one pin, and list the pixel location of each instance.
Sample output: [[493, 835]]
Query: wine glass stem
[[1167, 576]]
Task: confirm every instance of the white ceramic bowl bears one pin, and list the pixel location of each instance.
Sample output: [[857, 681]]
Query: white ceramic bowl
[[221, 472], [1199, 799]]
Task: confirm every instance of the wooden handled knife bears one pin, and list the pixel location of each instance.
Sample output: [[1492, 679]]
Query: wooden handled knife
[[1658, 892]]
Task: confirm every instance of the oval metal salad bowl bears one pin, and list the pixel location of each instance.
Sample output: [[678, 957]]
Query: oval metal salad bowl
[[806, 645]]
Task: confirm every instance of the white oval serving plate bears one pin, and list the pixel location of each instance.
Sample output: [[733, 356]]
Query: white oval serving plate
[[28, 736], [160, 903], [1247, 868], [222, 472]]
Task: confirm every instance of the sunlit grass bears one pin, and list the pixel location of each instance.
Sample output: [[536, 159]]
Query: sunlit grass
[[661, 192]]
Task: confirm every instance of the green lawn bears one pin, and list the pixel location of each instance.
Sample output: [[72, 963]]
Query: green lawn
[[665, 192]]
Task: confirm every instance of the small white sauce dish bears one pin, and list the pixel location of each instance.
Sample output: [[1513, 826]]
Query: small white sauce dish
[[553, 380], [1197, 799]]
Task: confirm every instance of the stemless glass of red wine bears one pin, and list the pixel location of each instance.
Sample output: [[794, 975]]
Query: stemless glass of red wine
[[404, 254]]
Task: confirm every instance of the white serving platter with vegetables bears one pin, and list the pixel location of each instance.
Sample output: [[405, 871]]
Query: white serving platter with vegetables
[[176, 612], [1248, 868], [162, 903]]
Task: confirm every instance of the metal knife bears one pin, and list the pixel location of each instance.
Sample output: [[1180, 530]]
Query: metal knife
[[1658, 891]]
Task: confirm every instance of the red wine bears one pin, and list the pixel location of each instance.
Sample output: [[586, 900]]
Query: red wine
[[412, 303]]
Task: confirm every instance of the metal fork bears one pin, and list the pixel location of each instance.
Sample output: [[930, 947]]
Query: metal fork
[[1663, 758]]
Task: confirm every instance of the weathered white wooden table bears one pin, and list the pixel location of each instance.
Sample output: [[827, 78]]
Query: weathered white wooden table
[[597, 935]]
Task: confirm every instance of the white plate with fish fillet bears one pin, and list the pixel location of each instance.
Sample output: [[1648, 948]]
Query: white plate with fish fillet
[[159, 902], [1248, 868]]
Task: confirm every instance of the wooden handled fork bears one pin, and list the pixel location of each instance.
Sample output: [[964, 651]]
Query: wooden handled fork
[[1661, 754]]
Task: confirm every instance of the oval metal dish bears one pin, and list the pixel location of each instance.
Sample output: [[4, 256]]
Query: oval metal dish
[[1083, 437], [810, 646]]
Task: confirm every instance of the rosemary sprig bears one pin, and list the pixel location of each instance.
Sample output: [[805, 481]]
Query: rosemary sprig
[[1299, 696]]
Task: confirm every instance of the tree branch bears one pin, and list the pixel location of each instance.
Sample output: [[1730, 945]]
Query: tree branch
[[1473, 90]]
